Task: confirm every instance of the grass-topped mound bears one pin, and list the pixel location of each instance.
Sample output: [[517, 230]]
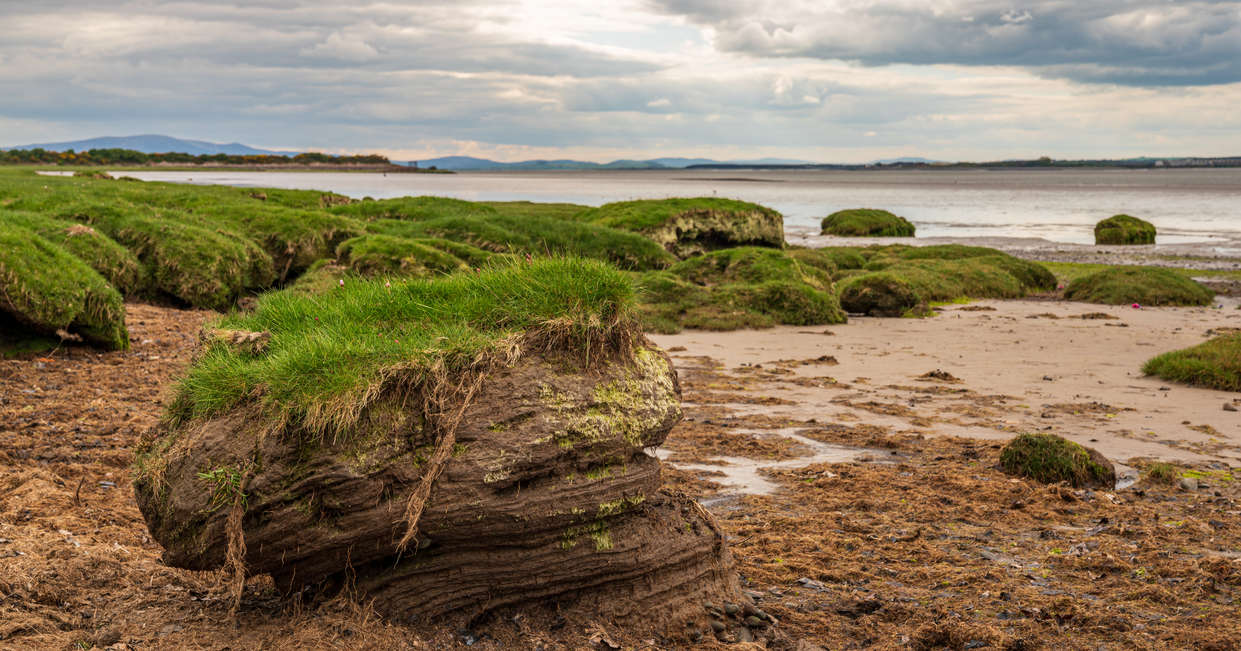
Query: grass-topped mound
[[1033, 276], [412, 208], [330, 355], [1214, 364], [114, 262], [744, 287], [878, 294], [47, 289], [866, 222], [1124, 229], [1049, 459], [440, 446], [1141, 285], [689, 227]]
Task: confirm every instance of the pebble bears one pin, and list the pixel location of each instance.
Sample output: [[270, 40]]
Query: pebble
[[1189, 484], [731, 609], [717, 626], [1228, 406], [754, 622]]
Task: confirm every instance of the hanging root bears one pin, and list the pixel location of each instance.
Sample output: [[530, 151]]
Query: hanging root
[[235, 557], [437, 400]]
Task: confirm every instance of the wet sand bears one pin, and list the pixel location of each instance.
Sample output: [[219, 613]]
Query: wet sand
[[1019, 366]]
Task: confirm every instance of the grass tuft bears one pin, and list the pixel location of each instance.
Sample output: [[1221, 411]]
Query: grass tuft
[[688, 227], [1049, 459], [1215, 364]]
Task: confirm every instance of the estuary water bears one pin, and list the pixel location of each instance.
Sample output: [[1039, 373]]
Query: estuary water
[[1188, 206]]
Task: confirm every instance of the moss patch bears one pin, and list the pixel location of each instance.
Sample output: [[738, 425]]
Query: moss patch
[[1215, 364], [1124, 229], [866, 222], [1049, 459], [1142, 285]]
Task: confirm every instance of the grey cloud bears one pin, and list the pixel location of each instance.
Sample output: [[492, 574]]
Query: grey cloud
[[1130, 42]]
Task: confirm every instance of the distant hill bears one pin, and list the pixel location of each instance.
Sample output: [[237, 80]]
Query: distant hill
[[470, 163], [156, 144], [904, 159]]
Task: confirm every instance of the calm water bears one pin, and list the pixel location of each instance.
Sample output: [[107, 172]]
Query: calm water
[[1057, 205]]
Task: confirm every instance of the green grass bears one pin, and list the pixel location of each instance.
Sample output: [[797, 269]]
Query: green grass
[[567, 211], [1161, 472], [879, 294], [1049, 459], [111, 260], [1214, 364], [866, 222], [688, 227], [331, 355], [1143, 285], [744, 287], [373, 255], [45, 288], [536, 236], [1124, 229], [412, 208]]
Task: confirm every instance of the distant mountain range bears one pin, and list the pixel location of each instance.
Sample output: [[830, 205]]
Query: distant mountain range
[[461, 163], [156, 144]]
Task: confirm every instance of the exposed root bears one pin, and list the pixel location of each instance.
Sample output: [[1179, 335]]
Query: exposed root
[[436, 400], [235, 558]]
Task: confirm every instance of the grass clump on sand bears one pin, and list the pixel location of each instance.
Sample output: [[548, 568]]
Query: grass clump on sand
[[331, 355], [688, 227], [1215, 364], [1161, 472], [47, 289], [1124, 229], [1049, 459], [535, 235], [879, 294], [866, 222], [1141, 285], [744, 287]]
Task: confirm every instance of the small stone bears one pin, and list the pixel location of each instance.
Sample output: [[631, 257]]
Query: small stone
[[754, 622], [1189, 484], [717, 626], [754, 596], [1228, 406], [731, 609]]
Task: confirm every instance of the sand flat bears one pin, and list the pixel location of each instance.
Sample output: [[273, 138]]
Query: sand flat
[[1021, 366]]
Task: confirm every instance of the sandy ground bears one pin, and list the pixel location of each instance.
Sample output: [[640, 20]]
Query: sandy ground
[[874, 525], [1015, 366]]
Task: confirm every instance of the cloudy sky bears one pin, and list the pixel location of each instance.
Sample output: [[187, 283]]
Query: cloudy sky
[[825, 80]]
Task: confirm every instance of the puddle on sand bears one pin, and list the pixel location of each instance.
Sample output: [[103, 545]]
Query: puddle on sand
[[742, 475]]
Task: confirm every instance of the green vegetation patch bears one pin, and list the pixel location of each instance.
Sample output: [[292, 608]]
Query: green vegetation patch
[[567, 211], [879, 294], [1049, 459], [47, 289], [412, 208], [1215, 364], [744, 287], [688, 227], [371, 255], [1124, 229], [1142, 285], [535, 235], [866, 222], [111, 260], [331, 355]]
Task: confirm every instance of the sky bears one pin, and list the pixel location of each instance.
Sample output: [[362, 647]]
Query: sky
[[821, 80]]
